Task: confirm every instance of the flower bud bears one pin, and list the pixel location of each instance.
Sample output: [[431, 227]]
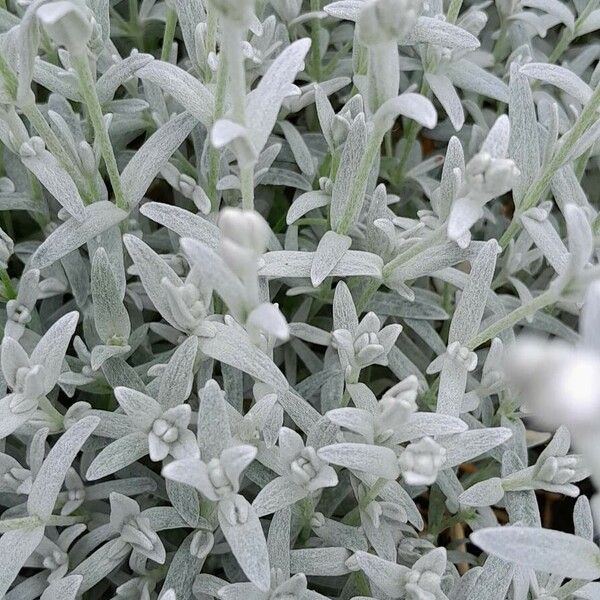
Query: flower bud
[[462, 355], [238, 11], [246, 228], [201, 544], [421, 461], [67, 24]]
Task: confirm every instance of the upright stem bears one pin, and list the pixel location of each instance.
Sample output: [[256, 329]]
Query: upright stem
[[315, 35], [511, 319], [540, 186], [231, 42], [39, 123], [247, 181], [232, 47], [214, 155], [568, 35], [90, 97], [359, 185], [412, 131], [417, 248], [169, 36]]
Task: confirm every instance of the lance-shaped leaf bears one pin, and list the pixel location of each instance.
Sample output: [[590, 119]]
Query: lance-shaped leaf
[[444, 91], [463, 447], [320, 561], [152, 270], [52, 176], [241, 527], [72, 234], [469, 312], [543, 550], [332, 246], [441, 33], [65, 588], [411, 105], [230, 344], [376, 460], [119, 73], [214, 432], [561, 77], [524, 146], [264, 102], [277, 495], [118, 455], [153, 156], [177, 377], [182, 86], [48, 482], [284, 263], [305, 203], [16, 547], [51, 349], [184, 223], [110, 316], [353, 152]]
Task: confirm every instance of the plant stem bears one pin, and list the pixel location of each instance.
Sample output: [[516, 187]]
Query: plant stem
[[412, 131], [367, 294], [39, 123], [511, 319], [214, 155], [359, 185], [9, 291], [32, 521], [231, 42], [315, 36], [247, 181], [90, 97], [415, 249], [169, 36], [540, 186], [568, 35]]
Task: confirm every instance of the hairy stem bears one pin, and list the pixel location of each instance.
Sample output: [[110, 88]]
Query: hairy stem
[[90, 97]]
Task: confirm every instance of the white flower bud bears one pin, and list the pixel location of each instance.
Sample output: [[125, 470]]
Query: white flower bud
[[246, 228], [238, 11], [421, 461], [67, 24]]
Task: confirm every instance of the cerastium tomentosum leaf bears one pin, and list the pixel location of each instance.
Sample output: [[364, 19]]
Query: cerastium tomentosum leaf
[[300, 299]]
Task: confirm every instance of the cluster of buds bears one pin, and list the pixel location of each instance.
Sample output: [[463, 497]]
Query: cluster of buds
[[134, 528], [420, 461], [369, 344], [187, 187], [425, 578], [188, 303], [302, 464], [245, 235], [395, 408], [169, 435]]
